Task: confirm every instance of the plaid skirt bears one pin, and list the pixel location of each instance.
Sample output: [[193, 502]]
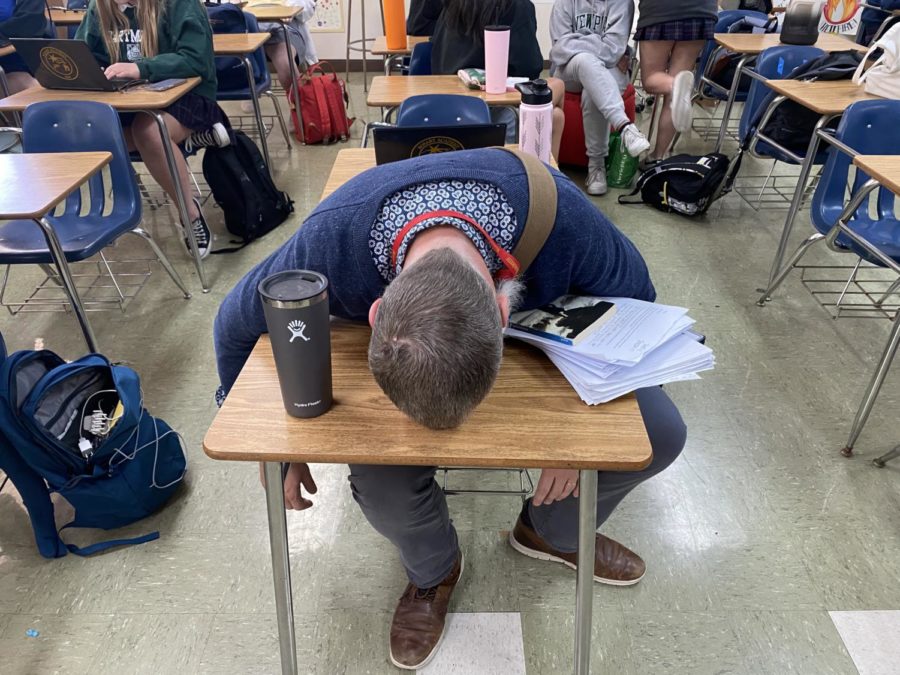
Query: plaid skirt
[[193, 111], [680, 30]]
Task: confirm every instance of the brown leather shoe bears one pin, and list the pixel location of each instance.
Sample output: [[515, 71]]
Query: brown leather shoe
[[418, 625], [613, 563]]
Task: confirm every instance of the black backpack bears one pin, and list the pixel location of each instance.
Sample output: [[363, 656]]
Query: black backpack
[[791, 124], [243, 188], [685, 184]]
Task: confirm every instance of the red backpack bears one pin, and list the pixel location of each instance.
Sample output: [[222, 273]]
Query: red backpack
[[323, 106]]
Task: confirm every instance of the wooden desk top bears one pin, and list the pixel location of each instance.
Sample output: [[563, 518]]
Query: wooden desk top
[[67, 17], [351, 162], [532, 418], [7, 50], [35, 183], [273, 11], [883, 168], [390, 91], [379, 46], [750, 43], [238, 44], [825, 98], [124, 101]]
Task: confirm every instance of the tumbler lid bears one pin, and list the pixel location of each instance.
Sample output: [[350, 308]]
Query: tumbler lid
[[293, 289], [535, 92], [496, 28]]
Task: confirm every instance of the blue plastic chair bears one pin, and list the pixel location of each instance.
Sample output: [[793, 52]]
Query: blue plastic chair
[[442, 110], [420, 60], [80, 126], [774, 63], [866, 128], [724, 21], [262, 87]]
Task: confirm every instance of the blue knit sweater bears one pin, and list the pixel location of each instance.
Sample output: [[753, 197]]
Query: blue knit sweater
[[585, 253]]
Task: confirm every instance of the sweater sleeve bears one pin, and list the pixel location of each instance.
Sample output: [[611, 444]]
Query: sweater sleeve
[[27, 20], [192, 41], [525, 58]]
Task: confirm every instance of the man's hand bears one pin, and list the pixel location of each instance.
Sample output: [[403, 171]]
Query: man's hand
[[555, 485], [126, 71], [298, 475]]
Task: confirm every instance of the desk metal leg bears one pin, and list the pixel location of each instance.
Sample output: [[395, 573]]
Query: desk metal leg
[[180, 197], [281, 567], [732, 95], [65, 274], [584, 585], [293, 66], [254, 98], [797, 199]]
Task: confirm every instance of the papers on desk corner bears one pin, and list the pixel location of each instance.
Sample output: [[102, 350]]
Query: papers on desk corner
[[639, 344]]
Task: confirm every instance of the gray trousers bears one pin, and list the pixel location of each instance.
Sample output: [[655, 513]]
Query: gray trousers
[[406, 505], [601, 101]]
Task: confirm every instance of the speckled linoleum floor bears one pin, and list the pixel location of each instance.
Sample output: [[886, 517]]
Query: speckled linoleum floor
[[752, 538]]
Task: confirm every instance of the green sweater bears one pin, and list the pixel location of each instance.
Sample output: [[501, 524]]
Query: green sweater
[[185, 44]]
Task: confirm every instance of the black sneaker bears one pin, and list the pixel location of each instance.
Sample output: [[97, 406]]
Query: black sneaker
[[214, 137], [202, 235]]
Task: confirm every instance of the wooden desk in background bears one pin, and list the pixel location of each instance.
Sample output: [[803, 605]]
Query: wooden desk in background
[[137, 100], [380, 48], [351, 162], [242, 46], [829, 100], [751, 45], [531, 418], [66, 17], [883, 168], [389, 92], [46, 180]]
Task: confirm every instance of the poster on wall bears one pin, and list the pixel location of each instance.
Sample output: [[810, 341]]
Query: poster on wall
[[841, 17], [329, 17]]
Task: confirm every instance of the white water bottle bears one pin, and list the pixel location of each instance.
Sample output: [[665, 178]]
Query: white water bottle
[[536, 119]]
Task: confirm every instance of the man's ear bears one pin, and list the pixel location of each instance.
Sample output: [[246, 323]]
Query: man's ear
[[503, 304], [373, 310]]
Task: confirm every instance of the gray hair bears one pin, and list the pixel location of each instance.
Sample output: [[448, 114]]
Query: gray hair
[[437, 340]]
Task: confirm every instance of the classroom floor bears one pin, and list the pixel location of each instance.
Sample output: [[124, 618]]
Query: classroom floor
[[766, 551]]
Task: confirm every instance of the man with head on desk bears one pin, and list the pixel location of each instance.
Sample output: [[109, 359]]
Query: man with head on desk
[[420, 249]]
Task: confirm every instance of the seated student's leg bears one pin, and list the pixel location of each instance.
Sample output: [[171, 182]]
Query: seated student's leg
[[146, 140], [279, 58], [557, 523], [407, 506], [600, 86], [558, 87]]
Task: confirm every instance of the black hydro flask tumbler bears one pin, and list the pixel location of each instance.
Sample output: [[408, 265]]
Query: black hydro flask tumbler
[[296, 306]]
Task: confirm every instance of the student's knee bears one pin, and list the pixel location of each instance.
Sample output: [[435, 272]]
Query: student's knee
[[144, 133], [393, 492], [665, 427]]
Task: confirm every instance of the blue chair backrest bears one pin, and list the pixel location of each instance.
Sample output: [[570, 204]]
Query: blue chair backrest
[[257, 58], [870, 128], [774, 63], [442, 110], [85, 126], [724, 20], [420, 59]]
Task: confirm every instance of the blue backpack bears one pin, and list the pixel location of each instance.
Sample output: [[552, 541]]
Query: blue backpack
[[114, 466], [230, 71]]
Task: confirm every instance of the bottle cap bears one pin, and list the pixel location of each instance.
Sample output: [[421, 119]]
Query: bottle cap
[[536, 92]]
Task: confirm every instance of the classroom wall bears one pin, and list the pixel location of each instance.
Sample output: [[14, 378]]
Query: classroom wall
[[332, 46]]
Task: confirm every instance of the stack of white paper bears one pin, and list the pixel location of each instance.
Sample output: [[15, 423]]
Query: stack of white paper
[[642, 345]]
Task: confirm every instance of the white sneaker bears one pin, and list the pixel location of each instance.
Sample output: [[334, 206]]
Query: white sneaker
[[682, 108], [635, 142], [216, 136], [596, 182]]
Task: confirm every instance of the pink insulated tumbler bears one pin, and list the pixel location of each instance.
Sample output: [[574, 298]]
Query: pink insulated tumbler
[[496, 58]]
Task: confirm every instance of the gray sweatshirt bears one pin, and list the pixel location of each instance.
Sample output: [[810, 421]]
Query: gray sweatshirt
[[600, 27]]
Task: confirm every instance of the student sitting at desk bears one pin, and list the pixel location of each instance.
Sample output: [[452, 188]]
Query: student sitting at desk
[[590, 40], [20, 19], [433, 287], [156, 40], [301, 43], [423, 16], [458, 43]]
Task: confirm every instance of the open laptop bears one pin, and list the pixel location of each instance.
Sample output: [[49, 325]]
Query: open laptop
[[66, 64], [395, 143]]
